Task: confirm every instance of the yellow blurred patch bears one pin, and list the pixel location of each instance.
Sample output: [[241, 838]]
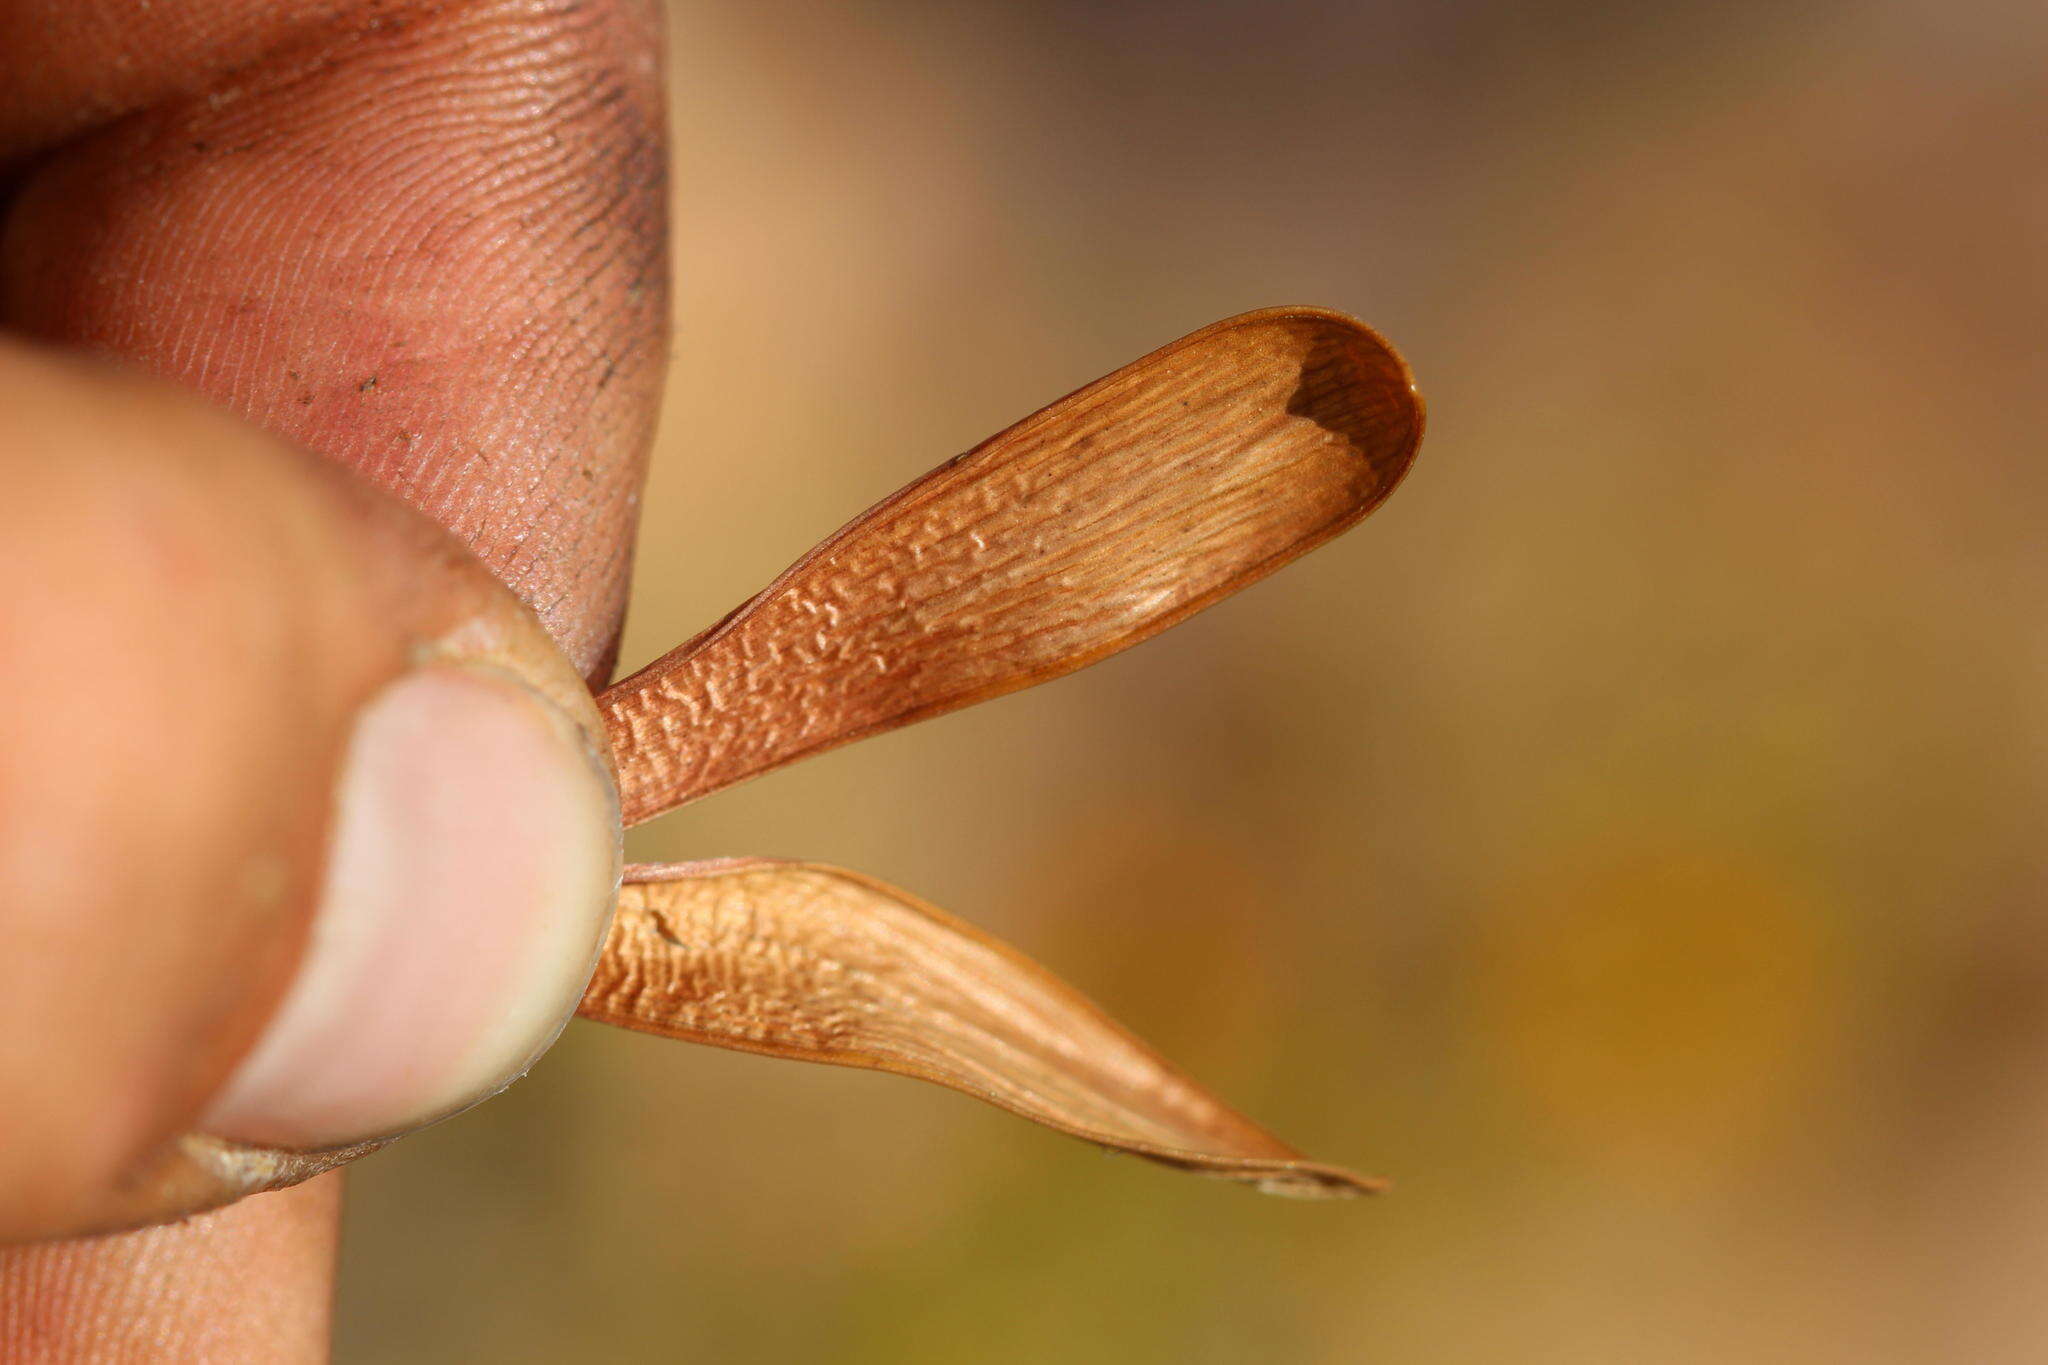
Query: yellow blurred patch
[[1661, 1011]]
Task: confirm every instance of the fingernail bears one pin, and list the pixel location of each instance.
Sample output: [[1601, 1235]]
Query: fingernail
[[472, 867]]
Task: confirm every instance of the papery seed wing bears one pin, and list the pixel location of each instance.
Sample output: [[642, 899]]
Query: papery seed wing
[[1085, 528], [823, 965]]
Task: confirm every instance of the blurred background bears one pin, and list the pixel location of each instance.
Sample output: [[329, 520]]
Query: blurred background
[[1627, 840]]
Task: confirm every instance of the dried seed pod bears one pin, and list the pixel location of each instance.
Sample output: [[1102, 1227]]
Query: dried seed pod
[[819, 964], [1089, 526]]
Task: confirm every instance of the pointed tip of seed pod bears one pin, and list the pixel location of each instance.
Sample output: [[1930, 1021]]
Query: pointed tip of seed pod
[[1321, 1183], [1284, 1178]]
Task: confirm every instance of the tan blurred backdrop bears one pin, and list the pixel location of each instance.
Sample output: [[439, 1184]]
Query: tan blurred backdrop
[[1627, 840]]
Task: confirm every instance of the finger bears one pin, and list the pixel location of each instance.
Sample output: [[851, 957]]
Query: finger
[[422, 239], [75, 66], [552, 511], [304, 834], [819, 964], [1089, 526], [143, 1297]]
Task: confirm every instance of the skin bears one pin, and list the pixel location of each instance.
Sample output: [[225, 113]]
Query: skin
[[267, 271]]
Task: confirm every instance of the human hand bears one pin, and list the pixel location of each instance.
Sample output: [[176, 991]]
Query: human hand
[[244, 684]]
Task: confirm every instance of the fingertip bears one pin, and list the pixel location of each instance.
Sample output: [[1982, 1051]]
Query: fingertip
[[210, 619], [471, 870]]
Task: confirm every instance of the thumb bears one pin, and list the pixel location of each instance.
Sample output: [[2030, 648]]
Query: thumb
[[305, 838]]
